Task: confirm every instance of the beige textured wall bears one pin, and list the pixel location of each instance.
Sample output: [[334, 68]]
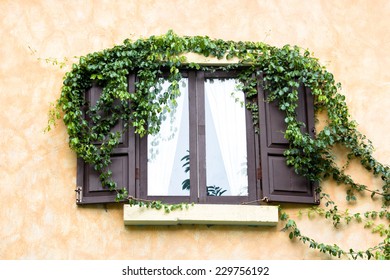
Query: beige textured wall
[[39, 218]]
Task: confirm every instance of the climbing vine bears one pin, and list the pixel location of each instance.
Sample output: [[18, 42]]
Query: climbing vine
[[284, 70], [158, 205]]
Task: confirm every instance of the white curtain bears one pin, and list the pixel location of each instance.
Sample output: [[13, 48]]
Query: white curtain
[[162, 146], [228, 115]]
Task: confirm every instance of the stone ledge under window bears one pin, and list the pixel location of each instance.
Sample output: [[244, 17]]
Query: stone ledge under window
[[208, 214]]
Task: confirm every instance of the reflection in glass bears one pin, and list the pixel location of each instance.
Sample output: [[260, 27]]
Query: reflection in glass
[[226, 154], [167, 148]]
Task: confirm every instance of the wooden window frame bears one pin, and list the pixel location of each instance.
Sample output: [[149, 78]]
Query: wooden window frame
[[197, 147]]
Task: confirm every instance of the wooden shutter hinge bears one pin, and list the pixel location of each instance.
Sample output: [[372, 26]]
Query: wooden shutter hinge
[[79, 194]]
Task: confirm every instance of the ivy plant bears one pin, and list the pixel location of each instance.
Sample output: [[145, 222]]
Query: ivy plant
[[284, 69]]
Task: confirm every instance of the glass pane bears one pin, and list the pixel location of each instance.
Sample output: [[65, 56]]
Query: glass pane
[[167, 150], [226, 153]]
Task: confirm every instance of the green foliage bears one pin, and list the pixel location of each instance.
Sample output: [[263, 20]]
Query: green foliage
[[185, 185], [215, 191], [158, 205], [283, 69], [380, 251], [331, 212]]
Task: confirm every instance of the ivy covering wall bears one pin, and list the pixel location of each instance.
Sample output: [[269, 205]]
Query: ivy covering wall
[[284, 70]]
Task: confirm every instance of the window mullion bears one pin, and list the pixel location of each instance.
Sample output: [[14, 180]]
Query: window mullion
[[201, 143], [193, 130], [252, 157]]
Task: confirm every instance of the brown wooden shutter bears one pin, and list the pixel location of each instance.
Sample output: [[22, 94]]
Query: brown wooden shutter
[[280, 183], [89, 189]]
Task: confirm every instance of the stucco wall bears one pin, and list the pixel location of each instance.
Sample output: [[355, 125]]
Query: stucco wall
[[39, 218]]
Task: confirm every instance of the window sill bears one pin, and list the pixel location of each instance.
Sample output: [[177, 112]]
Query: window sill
[[206, 214]]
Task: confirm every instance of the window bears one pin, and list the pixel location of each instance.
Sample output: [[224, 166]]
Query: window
[[206, 150], [201, 152]]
